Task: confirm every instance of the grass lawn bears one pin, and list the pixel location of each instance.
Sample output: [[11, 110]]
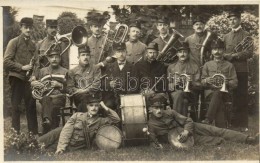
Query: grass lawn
[[225, 151]]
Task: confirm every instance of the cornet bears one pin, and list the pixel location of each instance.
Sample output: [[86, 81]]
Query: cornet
[[219, 81], [244, 45], [183, 83]]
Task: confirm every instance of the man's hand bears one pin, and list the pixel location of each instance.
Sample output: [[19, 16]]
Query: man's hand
[[209, 80], [81, 91], [228, 56], [147, 92], [58, 152], [183, 136], [189, 78], [112, 84], [157, 146], [36, 84], [102, 104], [32, 78], [27, 67], [55, 84]]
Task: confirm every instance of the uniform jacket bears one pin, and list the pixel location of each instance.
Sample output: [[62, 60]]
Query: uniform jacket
[[224, 67], [162, 42], [231, 40], [188, 67], [135, 51], [170, 119], [18, 54], [81, 77], [49, 71], [72, 133], [195, 42], [41, 47], [152, 72]]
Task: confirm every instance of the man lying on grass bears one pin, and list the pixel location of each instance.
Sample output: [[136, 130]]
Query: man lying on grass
[[80, 129], [162, 122]]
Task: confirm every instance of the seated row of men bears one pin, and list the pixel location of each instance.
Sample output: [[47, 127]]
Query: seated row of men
[[81, 128]]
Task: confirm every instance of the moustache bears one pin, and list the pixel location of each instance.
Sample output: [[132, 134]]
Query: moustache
[[54, 33]]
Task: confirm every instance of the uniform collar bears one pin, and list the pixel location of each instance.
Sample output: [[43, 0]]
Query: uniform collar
[[236, 29], [96, 36], [164, 36]]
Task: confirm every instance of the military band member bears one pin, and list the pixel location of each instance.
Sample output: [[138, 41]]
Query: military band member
[[184, 65], [18, 60], [96, 42], [196, 40], [161, 121], [56, 99], [79, 131], [239, 60], [217, 97], [43, 45], [163, 26], [84, 78], [150, 71], [134, 47]]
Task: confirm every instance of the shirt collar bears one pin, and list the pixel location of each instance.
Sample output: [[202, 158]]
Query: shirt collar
[[164, 36], [236, 29], [96, 36]]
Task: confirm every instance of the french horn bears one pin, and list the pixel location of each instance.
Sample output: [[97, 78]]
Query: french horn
[[219, 81]]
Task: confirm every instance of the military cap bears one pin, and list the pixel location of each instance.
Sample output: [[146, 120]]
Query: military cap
[[153, 45], [158, 100], [217, 43], [95, 18], [26, 21], [136, 24], [183, 46], [54, 50], [198, 19], [163, 19], [84, 49], [119, 46], [93, 97], [235, 14], [51, 22]]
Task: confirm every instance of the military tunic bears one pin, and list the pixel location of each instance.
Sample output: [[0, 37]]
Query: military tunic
[[135, 51], [161, 41]]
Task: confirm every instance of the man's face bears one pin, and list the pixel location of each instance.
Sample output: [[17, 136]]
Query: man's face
[[134, 33], [93, 108], [84, 58], [217, 52], [52, 30], [96, 29], [198, 27], [156, 111], [183, 54], [163, 28], [234, 21], [26, 30], [121, 55], [151, 54], [54, 60]]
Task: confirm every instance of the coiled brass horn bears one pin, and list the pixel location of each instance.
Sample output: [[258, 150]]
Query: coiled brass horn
[[182, 81], [219, 81], [244, 45]]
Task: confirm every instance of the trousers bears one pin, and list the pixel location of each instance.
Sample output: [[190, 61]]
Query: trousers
[[22, 90]]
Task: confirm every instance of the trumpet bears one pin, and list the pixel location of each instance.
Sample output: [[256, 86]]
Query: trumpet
[[219, 81], [244, 45], [168, 53], [182, 81]]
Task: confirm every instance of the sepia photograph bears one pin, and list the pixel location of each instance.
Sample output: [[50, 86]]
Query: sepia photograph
[[130, 80]]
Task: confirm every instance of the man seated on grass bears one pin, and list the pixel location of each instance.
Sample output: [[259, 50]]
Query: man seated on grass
[[80, 129], [162, 121]]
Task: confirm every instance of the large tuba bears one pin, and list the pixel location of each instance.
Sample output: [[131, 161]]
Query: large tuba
[[182, 81], [120, 34], [78, 37], [166, 55], [244, 45], [219, 81], [45, 89]]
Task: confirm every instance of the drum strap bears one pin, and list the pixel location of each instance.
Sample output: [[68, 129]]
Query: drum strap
[[86, 134]]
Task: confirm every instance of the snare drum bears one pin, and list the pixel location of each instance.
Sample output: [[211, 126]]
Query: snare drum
[[108, 137], [134, 117]]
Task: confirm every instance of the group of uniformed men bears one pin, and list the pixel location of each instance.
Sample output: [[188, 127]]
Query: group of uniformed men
[[131, 68]]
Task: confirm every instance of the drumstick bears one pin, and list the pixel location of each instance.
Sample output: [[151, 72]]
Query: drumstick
[[157, 82]]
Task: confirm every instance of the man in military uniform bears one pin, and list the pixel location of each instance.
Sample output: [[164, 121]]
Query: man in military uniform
[[239, 60], [184, 65], [163, 25], [150, 71], [79, 131], [51, 103], [196, 40], [18, 61], [84, 78], [213, 94], [45, 44], [96, 42], [135, 49], [161, 121]]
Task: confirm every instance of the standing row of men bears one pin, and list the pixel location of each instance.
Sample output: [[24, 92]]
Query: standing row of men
[[132, 57]]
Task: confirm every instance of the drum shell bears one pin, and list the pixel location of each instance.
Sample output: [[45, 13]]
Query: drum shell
[[108, 137], [134, 117]]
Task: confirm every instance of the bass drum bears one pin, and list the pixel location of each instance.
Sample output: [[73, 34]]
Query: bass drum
[[108, 137], [134, 118]]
